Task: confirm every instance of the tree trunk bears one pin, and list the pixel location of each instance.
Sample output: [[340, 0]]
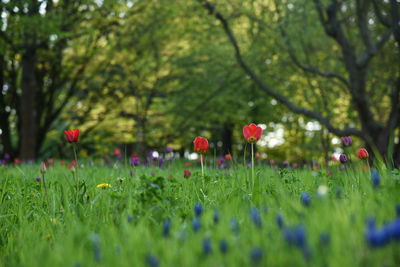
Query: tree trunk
[[28, 128], [4, 116], [227, 136]]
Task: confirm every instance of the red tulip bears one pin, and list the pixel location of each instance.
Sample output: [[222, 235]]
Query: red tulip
[[362, 153], [200, 145], [72, 136], [252, 133], [16, 160], [228, 157], [117, 152], [186, 173]]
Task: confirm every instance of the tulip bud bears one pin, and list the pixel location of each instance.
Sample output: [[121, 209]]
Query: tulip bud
[[43, 168]]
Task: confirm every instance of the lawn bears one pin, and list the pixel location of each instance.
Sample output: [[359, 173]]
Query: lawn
[[152, 216]]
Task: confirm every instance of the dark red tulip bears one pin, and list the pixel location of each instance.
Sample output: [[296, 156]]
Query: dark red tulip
[[72, 136], [200, 145], [252, 133], [186, 173]]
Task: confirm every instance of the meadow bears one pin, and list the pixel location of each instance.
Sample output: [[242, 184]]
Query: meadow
[[147, 215]]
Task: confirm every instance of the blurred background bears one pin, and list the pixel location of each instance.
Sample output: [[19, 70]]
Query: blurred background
[[150, 74]]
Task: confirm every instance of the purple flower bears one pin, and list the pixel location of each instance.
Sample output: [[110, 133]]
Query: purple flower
[[6, 156], [256, 255], [135, 161], [166, 227], [207, 246], [119, 157], [279, 221], [198, 209], [38, 179], [255, 217], [346, 141], [223, 246], [196, 224], [169, 150], [153, 173], [285, 163], [305, 198], [249, 165], [162, 160], [152, 261], [216, 216], [375, 179], [343, 158]]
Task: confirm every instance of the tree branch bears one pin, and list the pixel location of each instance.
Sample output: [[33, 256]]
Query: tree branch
[[297, 62], [372, 50], [265, 88]]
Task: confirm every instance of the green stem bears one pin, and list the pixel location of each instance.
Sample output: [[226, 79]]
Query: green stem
[[252, 163], [76, 169], [45, 189], [202, 168]]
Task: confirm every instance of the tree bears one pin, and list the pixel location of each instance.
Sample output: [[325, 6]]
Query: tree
[[358, 53], [46, 47]]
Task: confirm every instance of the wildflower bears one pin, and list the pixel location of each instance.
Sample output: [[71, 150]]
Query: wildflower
[[96, 247], [196, 224], [256, 217], [322, 190], [223, 246], [305, 198], [198, 209], [234, 225], [169, 150], [324, 238], [6, 156], [135, 161], [295, 165], [228, 157], [279, 221], [207, 248], [200, 145], [398, 210], [72, 136], [346, 141], [285, 163], [120, 179], [117, 152], [16, 161], [343, 158], [249, 165], [38, 179], [221, 160], [252, 133], [170, 176], [375, 179], [153, 173], [296, 236], [256, 255], [362, 153], [334, 158], [166, 227], [272, 162], [103, 186], [42, 168], [186, 173], [216, 216], [152, 261]]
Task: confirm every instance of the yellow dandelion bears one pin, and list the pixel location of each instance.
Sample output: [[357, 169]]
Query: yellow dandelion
[[48, 236], [54, 220], [106, 150], [84, 153], [103, 186]]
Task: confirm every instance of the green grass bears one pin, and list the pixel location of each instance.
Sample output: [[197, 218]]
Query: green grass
[[31, 234]]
